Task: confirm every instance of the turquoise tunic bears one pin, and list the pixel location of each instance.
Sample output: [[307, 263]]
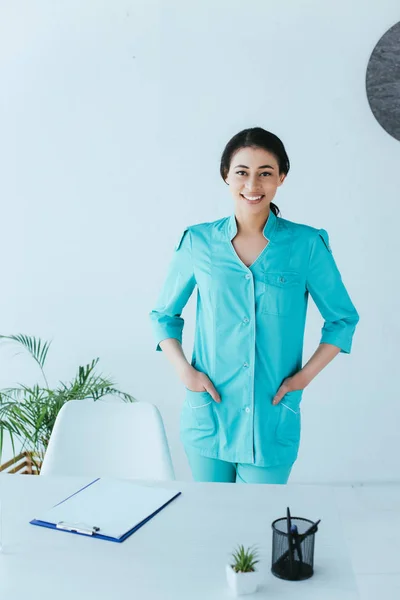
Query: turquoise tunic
[[249, 333]]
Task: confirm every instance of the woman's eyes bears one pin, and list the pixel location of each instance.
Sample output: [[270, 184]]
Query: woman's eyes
[[264, 173]]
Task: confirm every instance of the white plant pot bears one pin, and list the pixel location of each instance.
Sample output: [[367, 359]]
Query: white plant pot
[[242, 583]]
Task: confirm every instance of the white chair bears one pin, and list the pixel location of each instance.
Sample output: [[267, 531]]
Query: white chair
[[109, 439]]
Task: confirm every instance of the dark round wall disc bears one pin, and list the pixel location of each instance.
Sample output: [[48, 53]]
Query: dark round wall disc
[[383, 81]]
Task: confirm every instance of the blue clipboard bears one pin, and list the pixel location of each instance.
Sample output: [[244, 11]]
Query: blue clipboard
[[79, 528]]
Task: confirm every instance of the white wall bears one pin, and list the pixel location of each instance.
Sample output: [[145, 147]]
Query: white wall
[[113, 117]]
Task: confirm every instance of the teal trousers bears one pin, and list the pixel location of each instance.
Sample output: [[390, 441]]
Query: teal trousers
[[213, 469]]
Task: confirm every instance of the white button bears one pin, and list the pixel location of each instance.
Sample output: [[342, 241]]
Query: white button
[[248, 276], [245, 320], [247, 409], [245, 365]]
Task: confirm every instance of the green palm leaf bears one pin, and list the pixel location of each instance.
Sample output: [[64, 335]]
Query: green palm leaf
[[28, 414], [36, 348]]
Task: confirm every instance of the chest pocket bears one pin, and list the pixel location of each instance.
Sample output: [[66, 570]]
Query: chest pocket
[[281, 291]]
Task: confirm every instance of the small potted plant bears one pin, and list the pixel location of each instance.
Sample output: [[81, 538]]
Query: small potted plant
[[242, 576]]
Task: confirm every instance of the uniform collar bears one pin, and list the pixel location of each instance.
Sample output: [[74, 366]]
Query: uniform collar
[[268, 230]]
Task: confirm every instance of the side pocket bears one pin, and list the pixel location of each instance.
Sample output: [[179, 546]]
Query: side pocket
[[201, 409], [289, 419]]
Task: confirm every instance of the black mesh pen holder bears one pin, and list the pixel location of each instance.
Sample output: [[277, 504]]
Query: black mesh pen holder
[[293, 563]]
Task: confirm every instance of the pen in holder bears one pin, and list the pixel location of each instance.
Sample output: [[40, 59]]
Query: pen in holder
[[293, 544]]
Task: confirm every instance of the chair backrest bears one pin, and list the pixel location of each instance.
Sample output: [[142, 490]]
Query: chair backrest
[[109, 439]]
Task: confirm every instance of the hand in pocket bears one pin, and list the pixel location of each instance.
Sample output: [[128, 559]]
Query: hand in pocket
[[289, 385], [196, 381]]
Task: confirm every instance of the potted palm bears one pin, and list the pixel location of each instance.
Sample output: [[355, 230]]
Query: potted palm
[[242, 575], [28, 413]]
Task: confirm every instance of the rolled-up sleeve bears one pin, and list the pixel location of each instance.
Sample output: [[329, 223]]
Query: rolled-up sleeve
[[324, 282], [166, 320]]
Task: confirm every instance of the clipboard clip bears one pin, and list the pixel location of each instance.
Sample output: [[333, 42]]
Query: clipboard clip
[[77, 528]]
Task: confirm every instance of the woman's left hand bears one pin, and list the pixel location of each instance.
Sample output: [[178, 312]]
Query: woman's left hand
[[290, 384]]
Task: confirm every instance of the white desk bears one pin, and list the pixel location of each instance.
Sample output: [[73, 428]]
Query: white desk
[[181, 553]]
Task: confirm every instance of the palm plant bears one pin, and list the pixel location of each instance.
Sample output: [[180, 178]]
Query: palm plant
[[28, 414], [244, 560]]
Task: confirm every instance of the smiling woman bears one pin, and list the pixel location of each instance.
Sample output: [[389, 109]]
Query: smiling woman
[[254, 271], [260, 166]]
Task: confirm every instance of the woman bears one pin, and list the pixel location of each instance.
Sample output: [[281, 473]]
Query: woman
[[254, 272]]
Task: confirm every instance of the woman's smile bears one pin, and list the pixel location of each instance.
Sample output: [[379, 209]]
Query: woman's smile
[[253, 199]]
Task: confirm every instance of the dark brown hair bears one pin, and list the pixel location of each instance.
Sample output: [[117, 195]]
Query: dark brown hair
[[255, 137]]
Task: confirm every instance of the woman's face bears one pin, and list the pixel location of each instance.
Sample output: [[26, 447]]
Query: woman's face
[[253, 172]]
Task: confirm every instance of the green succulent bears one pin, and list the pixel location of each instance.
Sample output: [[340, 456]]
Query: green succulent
[[244, 559]]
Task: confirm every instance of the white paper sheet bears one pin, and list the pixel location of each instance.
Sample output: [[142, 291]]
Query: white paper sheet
[[115, 506]]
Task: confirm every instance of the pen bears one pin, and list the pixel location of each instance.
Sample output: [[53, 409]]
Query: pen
[[312, 529], [290, 540], [297, 543]]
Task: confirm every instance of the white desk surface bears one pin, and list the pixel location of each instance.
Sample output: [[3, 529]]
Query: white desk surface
[[182, 551]]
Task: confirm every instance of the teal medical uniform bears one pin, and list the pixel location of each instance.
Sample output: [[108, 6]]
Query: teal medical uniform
[[249, 333]]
